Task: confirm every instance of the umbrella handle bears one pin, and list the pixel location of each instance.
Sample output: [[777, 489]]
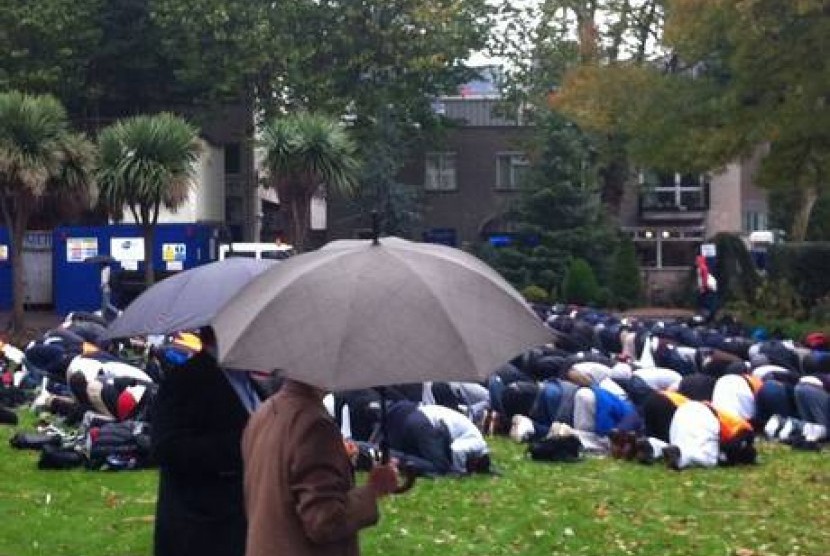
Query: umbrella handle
[[409, 478]]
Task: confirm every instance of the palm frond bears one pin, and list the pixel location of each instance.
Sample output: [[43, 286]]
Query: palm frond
[[32, 131], [147, 161], [309, 150]]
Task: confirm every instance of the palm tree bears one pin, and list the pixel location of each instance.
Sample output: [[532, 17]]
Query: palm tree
[[146, 162], [305, 154], [39, 156]]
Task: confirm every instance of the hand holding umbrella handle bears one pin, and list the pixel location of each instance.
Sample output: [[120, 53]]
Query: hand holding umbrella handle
[[384, 479], [409, 477]]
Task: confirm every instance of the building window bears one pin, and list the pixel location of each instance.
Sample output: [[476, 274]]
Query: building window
[[666, 248], [678, 253], [510, 170], [233, 158], [646, 253], [666, 191], [754, 221], [440, 172]]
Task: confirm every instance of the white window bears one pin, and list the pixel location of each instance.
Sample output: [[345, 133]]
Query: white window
[[510, 170], [440, 172], [669, 191], [754, 221]]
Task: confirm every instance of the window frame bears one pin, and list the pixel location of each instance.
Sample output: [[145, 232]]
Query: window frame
[[441, 171], [652, 184], [515, 177]]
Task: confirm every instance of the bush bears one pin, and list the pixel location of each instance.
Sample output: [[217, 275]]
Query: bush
[[734, 268], [772, 300], [625, 287], [535, 294], [820, 311], [580, 285], [804, 265]]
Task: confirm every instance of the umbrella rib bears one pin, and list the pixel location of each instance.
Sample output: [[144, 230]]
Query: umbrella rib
[[446, 313]]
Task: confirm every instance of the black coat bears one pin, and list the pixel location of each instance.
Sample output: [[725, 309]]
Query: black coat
[[198, 421]]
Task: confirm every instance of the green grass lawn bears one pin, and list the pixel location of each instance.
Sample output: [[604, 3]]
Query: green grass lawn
[[595, 507]]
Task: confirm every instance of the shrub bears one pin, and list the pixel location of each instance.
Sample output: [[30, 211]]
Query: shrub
[[580, 285], [804, 265], [772, 300], [535, 294], [820, 311], [734, 268], [625, 284]]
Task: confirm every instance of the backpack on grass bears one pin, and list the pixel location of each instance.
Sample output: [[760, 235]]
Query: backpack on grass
[[557, 448]]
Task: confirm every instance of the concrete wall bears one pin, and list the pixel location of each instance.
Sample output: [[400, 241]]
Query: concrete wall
[[663, 286], [206, 199]]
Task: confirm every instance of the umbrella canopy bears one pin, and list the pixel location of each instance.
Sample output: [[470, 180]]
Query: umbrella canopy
[[187, 300], [102, 260], [358, 314]]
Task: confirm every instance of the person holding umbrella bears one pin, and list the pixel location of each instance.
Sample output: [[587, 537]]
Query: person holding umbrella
[[354, 314], [300, 494]]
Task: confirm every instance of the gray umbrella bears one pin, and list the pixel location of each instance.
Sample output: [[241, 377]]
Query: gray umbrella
[[359, 314], [186, 300]]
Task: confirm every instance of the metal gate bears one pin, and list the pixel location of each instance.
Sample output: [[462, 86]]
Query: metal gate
[[37, 268]]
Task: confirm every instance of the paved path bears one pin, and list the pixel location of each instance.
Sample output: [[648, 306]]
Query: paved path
[[37, 322]]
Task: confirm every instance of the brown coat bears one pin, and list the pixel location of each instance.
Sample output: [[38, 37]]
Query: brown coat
[[300, 495]]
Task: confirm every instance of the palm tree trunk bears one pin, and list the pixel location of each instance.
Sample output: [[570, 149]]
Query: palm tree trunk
[[149, 233], [18, 231], [298, 208], [809, 196]]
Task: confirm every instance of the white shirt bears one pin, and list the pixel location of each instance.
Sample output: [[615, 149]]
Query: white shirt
[[465, 436]]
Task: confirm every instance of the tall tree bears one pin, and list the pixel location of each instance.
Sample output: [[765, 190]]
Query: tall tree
[[380, 191], [578, 37], [559, 215], [305, 155], [39, 156], [46, 46], [744, 78], [382, 63], [146, 162], [110, 58]]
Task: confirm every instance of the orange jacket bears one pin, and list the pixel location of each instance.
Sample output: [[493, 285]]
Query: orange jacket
[[731, 425], [754, 382]]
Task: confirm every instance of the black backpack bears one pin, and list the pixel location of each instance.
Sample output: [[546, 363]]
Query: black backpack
[[558, 448], [56, 457]]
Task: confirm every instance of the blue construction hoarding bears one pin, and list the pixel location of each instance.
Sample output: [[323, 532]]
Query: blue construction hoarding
[[77, 282], [5, 271]]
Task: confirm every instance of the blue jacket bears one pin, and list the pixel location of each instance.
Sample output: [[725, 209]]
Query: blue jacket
[[613, 412]]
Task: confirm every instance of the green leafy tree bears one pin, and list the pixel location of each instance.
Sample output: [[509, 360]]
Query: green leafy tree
[[559, 214], [46, 46], [580, 286], [744, 78], [379, 190], [305, 154], [146, 162], [382, 64], [39, 156], [625, 282], [108, 59], [570, 41], [783, 206]]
